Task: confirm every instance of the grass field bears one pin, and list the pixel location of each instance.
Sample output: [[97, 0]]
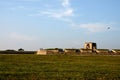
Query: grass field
[[59, 67]]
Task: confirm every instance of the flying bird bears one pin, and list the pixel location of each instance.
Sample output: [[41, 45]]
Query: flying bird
[[108, 27]]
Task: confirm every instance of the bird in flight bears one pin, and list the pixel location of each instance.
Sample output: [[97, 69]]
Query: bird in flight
[[108, 27]]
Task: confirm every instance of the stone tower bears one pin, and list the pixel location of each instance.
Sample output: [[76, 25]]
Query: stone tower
[[90, 45]]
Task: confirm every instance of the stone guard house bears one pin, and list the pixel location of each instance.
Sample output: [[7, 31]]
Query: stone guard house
[[90, 45]]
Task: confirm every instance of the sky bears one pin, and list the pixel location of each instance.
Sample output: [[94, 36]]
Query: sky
[[35, 24]]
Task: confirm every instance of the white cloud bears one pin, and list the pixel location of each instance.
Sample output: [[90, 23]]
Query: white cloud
[[63, 13], [94, 27], [66, 3], [68, 12], [58, 13]]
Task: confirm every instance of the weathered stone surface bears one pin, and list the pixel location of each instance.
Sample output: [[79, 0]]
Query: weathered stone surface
[[71, 50], [102, 51], [82, 50], [90, 45], [115, 51], [42, 52]]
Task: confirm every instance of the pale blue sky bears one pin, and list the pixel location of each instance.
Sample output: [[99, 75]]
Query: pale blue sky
[[34, 24]]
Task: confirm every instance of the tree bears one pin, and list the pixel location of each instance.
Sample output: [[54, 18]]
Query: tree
[[20, 49]]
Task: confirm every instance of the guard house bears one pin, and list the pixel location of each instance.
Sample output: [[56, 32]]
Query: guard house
[[90, 45]]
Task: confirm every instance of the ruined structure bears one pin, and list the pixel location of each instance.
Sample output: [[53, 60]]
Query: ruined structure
[[116, 51], [102, 51], [41, 52], [82, 50], [89, 48], [90, 45], [54, 50], [71, 50], [49, 51]]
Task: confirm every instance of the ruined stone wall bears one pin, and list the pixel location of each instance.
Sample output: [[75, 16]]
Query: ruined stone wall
[[86, 50], [41, 52], [71, 50]]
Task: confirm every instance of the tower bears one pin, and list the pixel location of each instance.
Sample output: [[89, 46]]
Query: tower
[[90, 45]]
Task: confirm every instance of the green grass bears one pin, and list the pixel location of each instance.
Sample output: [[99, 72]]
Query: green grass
[[59, 67]]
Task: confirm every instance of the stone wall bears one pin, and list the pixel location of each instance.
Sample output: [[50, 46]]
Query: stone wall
[[116, 51], [71, 50], [102, 51], [41, 52], [82, 50]]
